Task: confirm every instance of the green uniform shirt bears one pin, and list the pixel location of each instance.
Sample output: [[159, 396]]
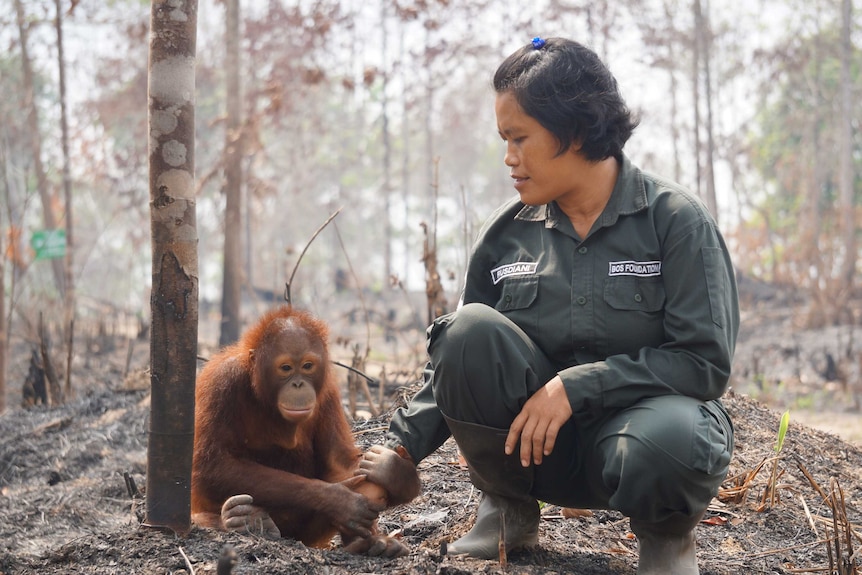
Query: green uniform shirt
[[645, 305]]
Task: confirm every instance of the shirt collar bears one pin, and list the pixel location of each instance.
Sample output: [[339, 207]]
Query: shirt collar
[[628, 197], [536, 214]]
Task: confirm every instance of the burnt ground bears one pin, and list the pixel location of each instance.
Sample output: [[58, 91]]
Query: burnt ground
[[65, 507]]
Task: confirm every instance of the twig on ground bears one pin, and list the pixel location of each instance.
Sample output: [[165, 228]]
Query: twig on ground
[[741, 483], [501, 543], [808, 516], [469, 495], [188, 563], [812, 481], [791, 548], [359, 432]]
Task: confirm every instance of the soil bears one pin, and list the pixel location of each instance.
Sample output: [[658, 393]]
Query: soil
[[66, 507]]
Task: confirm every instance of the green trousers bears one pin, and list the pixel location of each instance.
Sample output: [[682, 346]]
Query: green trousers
[[662, 456]]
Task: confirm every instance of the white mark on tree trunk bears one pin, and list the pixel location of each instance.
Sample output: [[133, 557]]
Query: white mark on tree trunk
[[172, 81], [162, 122], [177, 184], [174, 153]]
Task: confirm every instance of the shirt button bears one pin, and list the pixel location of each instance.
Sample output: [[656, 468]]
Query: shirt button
[[638, 297], [581, 300], [582, 250]]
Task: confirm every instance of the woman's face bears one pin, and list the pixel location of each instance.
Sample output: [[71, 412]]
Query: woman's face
[[540, 175]]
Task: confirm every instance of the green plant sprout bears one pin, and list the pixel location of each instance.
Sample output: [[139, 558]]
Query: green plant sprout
[[770, 494], [782, 431]]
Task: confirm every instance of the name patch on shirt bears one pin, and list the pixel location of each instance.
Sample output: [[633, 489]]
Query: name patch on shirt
[[516, 269], [630, 268]]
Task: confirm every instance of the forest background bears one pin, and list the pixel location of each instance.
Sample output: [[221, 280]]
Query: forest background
[[382, 112]]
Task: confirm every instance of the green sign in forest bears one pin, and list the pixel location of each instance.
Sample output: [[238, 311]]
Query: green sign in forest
[[49, 244]]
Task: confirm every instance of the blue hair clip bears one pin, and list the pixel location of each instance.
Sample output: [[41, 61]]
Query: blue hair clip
[[538, 43]]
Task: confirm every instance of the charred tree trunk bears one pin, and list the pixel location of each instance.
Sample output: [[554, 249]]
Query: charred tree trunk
[[55, 391], [34, 391], [434, 294], [174, 299], [69, 299]]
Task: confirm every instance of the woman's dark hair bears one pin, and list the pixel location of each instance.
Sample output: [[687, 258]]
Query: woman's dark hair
[[572, 94]]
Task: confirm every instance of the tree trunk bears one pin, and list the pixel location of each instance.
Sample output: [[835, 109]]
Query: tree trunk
[[230, 303], [387, 153], [674, 105], [55, 392], [4, 246], [845, 122], [49, 219], [818, 151], [434, 294], [430, 160], [695, 84], [3, 340], [705, 36], [406, 192], [811, 214], [174, 299], [69, 300]]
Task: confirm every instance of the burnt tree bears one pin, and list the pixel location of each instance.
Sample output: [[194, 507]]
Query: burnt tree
[[174, 298]]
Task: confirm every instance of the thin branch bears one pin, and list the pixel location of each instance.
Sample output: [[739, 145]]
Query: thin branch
[[358, 291], [368, 378], [359, 360], [305, 249]]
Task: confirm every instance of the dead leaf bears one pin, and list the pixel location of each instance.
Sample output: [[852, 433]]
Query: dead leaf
[[715, 520], [572, 513]]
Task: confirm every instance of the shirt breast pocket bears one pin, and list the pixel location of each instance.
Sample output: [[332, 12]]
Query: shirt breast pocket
[[635, 313], [517, 294], [628, 293]]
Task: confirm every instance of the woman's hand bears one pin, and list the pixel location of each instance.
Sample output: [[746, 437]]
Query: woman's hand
[[393, 470], [539, 422]]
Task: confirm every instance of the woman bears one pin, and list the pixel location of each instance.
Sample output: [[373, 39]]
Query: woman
[[595, 334]]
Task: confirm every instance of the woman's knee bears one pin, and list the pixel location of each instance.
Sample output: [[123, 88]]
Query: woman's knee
[[468, 327], [485, 368], [668, 455], [695, 435]]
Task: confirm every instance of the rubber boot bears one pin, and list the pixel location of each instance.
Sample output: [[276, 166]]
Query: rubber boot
[[506, 499], [667, 547]]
